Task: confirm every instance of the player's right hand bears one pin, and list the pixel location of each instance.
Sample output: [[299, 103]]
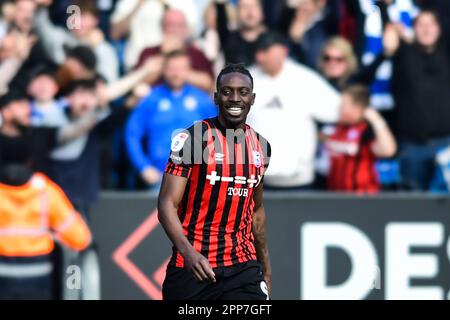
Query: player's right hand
[[199, 266]]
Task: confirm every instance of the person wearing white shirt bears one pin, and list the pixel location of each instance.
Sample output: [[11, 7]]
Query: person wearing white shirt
[[290, 98], [141, 21]]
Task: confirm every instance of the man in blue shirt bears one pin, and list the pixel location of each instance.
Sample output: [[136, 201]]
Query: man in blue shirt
[[168, 109]]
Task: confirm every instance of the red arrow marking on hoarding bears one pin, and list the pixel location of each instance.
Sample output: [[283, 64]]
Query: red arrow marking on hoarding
[[120, 256]]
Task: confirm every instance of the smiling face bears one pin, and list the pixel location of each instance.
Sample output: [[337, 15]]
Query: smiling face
[[234, 97]]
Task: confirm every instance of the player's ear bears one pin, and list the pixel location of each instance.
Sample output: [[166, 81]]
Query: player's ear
[[253, 98], [216, 98]]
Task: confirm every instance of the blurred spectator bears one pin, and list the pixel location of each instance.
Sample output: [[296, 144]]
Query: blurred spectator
[[28, 225], [75, 166], [15, 116], [6, 16], [172, 106], [290, 97], [209, 41], [58, 11], [16, 129], [50, 112], [379, 13], [105, 11], [176, 37], [14, 50], [46, 110], [201, 7], [339, 64], [240, 46], [21, 37], [442, 8], [308, 24], [83, 29], [43, 86], [80, 63], [421, 83], [140, 22], [272, 11], [360, 136]]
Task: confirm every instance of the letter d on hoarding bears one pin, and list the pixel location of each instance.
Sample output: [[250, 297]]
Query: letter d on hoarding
[[315, 239]]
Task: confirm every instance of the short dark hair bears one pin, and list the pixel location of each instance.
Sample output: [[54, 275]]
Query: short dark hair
[[85, 84], [87, 6], [359, 93], [84, 54], [433, 12], [231, 68], [41, 70], [269, 39], [12, 95]]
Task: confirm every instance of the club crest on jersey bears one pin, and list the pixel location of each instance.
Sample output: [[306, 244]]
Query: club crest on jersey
[[256, 158], [178, 141]]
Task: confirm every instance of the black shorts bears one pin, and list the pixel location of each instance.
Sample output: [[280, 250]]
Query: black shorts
[[240, 282]]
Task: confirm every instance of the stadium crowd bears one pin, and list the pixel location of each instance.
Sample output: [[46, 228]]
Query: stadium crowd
[[352, 94]]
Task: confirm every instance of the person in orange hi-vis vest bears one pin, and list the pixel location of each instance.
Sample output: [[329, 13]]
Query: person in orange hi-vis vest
[[33, 212]]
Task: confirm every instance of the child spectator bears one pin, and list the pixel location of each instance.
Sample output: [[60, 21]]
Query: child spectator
[[46, 110], [360, 136]]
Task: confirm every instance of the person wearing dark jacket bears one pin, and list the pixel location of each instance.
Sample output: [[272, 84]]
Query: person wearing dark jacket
[[16, 129], [239, 46], [421, 82], [75, 166], [22, 25], [308, 24]]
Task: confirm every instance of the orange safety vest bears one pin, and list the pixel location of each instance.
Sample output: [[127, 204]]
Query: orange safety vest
[[31, 214]]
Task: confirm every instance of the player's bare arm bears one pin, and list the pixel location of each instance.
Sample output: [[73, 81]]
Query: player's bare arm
[[172, 190], [259, 232]]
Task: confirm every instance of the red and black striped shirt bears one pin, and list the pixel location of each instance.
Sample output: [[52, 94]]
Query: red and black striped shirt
[[352, 165], [217, 207]]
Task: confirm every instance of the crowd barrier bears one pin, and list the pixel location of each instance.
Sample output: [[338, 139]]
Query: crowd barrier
[[322, 246]]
